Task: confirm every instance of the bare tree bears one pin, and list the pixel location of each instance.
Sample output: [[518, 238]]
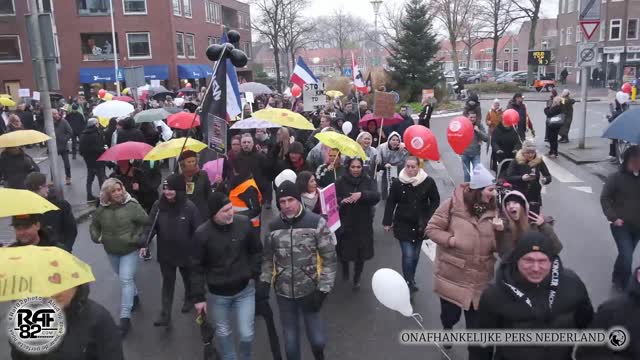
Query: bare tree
[[269, 26], [472, 35], [388, 25], [499, 15], [531, 10], [342, 30], [296, 30], [453, 14]]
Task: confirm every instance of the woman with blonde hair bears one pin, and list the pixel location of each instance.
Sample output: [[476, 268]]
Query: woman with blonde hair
[[118, 224]]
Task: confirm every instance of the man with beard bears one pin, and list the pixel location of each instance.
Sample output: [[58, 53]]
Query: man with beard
[[257, 165]]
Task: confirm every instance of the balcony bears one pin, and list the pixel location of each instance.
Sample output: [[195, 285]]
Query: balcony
[[229, 18]]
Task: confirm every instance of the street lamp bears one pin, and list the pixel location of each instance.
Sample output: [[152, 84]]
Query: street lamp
[[376, 9]]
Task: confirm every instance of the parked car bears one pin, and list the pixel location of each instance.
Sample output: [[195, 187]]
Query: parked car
[[502, 78], [520, 78]]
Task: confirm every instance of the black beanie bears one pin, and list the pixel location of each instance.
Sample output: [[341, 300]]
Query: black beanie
[[217, 200], [287, 188], [175, 182], [532, 241], [296, 148]]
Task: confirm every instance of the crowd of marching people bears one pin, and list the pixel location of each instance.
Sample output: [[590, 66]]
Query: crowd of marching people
[[497, 261]]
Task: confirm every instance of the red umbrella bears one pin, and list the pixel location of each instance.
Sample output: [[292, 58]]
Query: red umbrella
[[126, 151], [396, 119], [123, 98], [182, 120]]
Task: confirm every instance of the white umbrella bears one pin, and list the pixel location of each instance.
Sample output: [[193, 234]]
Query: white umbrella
[[254, 123], [256, 88], [113, 108]]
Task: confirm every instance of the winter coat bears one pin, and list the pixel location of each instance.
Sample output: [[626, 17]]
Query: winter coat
[[352, 117], [463, 271], [129, 132], [355, 236], [315, 157], [91, 146], [60, 225], [286, 164], [500, 308], [622, 310], [479, 136], [567, 109], [504, 145], [26, 118], [424, 118], [522, 123], [409, 207], [76, 121], [201, 191], [531, 189], [175, 227], [147, 192], [369, 165], [63, 133], [394, 157], [258, 166], [14, 168], [91, 333], [620, 197], [119, 227], [226, 258], [551, 111], [494, 117], [299, 255], [326, 177]]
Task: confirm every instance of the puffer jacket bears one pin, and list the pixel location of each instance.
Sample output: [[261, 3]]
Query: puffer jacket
[[463, 271], [292, 250], [119, 227]]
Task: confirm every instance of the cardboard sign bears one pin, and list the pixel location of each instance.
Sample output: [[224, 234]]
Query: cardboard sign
[[36, 96], [329, 204], [217, 134], [24, 92], [249, 97], [384, 105], [426, 95], [155, 82], [313, 96]]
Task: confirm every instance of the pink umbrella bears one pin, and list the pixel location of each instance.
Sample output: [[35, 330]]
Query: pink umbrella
[[396, 119], [126, 151], [214, 168], [123, 98], [182, 120]]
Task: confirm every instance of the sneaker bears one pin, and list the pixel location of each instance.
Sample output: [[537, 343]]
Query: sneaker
[[68, 180], [91, 198], [163, 320], [125, 326], [136, 303], [147, 255]]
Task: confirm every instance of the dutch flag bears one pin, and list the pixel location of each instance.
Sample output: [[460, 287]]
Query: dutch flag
[[302, 74], [234, 104]]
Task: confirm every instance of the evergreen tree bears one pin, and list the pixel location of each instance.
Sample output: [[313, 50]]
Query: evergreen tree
[[413, 52]]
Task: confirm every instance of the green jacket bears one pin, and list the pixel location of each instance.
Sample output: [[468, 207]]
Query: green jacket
[[119, 226]]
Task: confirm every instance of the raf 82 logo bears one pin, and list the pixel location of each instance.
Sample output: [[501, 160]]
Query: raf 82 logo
[[36, 325]]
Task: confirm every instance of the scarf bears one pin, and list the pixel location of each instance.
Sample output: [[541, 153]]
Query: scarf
[[415, 181], [479, 209], [553, 286]]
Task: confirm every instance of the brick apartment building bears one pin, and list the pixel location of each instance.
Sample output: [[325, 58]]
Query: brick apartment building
[[617, 37], [167, 37], [481, 55]]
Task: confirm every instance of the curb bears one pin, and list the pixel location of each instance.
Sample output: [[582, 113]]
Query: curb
[[576, 160]]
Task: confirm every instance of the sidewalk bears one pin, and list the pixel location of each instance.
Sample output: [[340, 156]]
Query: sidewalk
[[596, 150], [542, 96]]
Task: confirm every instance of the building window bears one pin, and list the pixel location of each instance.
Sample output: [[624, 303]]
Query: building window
[[214, 12], [190, 45], [97, 46], [180, 44], [633, 56], [515, 50], [488, 51], [243, 21], [7, 7], [247, 49], [10, 50], [134, 7], [186, 5], [139, 45], [507, 50], [561, 37], [578, 34], [570, 5], [632, 29], [177, 10], [614, 31], [93, 7], [505, 65], [569, 33], [515, 65]]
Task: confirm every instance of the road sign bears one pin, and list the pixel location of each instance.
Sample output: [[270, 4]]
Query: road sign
[[347, 72], [589, 27], [314, 96], [587, 54], [589, 10]]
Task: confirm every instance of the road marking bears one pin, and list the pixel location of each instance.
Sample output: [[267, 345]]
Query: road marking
[[429, 248], [561, 174], [586, 189]]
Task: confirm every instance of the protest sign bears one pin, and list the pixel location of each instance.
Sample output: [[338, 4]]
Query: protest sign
[[217, 134], [36, 96], [384, 105], [155, 83], [313, 96], [249, 97], [24, 92], [428, 96], [329, 204]]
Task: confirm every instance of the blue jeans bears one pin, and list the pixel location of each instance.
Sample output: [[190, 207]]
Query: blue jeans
[[626, 238], [244, 303], [125, 267], [290, 310], [410, 257], [467, 160]]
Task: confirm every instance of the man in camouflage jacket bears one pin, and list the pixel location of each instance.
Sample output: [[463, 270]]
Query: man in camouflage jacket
[[300, 260]]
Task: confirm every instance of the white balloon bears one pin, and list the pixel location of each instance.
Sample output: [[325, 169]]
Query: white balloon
[[622, 97], [392, 291], [347, 127]]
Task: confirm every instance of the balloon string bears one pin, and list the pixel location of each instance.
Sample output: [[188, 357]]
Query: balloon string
[[417, 316]]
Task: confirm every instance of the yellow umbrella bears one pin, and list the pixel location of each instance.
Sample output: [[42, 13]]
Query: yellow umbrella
[[22, 137], [173, 147], [104, 121], [334, 93], [5, 96], [22, 202], [284, 117], [345, 144], [7, 102], [43, 271]]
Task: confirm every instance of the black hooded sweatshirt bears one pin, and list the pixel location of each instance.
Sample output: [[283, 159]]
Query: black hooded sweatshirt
[[618, 190]]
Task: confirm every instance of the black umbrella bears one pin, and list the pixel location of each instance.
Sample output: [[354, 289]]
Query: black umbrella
[[188, 90], [190, 106], [163, 95]]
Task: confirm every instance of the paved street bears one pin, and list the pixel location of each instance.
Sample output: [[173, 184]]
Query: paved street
[[358, 326]]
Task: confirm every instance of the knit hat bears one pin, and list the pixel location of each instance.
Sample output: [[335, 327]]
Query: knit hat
[[285, 175], [481, 178], [175, 182], [533, 241], [92, 122], [528, 146], [216, 201], [187, 154], [296, 148], [287, 188]]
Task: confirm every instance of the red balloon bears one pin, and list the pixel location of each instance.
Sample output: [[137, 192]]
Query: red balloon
[[296, 91], [102, 93], [460, 134], [510, 117], [626, 88], [421, 143]]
